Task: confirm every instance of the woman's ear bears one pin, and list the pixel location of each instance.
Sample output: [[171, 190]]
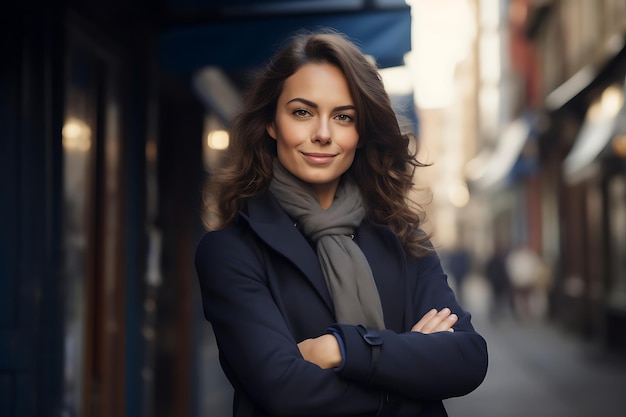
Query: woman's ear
[[271, 130]]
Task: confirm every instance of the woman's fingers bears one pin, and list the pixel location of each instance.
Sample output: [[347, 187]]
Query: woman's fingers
[[436, 321], [417, 327]]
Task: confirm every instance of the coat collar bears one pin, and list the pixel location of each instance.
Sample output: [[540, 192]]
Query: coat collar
[[382, 248], [270, 222]]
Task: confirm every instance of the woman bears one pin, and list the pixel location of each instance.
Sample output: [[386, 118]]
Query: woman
[[324, 296]]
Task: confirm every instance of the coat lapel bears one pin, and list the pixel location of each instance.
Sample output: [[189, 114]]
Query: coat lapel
[[388, 263], [380, 246], [275, 228]]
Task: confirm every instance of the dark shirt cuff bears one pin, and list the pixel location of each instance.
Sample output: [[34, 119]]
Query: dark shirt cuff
[[342, 348], [362, 347]]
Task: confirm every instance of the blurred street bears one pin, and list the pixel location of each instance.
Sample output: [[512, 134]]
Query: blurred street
[[115, 115], [539, 370]]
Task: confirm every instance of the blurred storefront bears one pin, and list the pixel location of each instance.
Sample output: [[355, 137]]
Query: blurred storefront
[[585, 66], [108, 116], [504, 170], [77, 129], [559, 187]]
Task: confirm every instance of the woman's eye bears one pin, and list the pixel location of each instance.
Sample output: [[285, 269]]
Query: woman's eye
[[344, 117], [301, 113]]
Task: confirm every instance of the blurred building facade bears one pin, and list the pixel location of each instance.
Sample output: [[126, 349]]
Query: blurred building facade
[[582, 152], [550, 163], [110, 113]]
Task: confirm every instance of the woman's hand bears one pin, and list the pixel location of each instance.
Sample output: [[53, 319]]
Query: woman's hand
[[323, 351], [436, 321]]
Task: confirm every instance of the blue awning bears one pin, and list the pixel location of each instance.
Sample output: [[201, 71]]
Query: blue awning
[[489, 171], [248, 43]]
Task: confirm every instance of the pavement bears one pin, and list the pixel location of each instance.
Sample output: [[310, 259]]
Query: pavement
[[537, 369]]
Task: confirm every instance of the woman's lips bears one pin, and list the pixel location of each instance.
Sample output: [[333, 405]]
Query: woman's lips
[[318, 158]]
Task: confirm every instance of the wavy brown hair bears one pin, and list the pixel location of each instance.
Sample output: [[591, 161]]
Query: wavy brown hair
[[383, 166]]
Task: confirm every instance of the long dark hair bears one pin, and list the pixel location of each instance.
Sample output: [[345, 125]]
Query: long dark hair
[[384, 163]]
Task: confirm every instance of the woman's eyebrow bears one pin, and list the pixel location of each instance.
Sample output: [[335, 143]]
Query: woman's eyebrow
[[303, 101], [314, 105]]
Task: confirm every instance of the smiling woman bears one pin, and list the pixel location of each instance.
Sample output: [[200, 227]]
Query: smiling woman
[[348, 312], [315, 128]]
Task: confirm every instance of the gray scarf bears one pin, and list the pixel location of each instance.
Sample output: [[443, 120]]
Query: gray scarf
[[346, 270]]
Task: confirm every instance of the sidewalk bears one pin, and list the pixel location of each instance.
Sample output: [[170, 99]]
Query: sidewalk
[[539, 370]]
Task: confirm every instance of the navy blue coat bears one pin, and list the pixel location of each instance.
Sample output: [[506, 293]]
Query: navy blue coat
[[263, 292]]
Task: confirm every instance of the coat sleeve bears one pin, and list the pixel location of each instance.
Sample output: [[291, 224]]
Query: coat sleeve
[[420, 366], [255, 342]]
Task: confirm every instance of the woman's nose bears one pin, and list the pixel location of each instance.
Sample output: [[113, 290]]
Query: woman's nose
[[322, 134]]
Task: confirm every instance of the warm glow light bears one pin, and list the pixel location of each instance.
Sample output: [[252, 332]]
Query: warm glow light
[[76, 135], [607, 106], [612, 100], [151, 151], [218, 140], [459, 194], [594, 113], [619, 145]]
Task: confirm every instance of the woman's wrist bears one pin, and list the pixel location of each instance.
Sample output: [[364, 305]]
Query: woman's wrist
[[335, 360], [324, 351]]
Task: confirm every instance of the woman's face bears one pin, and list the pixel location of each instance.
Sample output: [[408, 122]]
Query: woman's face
[[315, 128]]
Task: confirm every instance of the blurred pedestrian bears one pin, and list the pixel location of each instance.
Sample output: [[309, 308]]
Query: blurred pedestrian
[[497, 276], [324, 295], [524, 268]]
